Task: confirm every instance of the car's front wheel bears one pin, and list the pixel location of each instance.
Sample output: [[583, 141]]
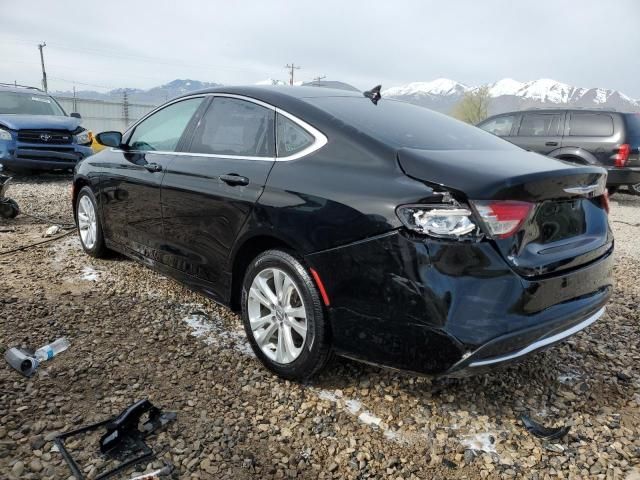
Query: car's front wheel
[[283, 316], [89, 227]]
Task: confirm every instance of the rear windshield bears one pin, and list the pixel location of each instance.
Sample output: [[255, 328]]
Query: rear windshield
[[401, 125], [633, 124], [28, 104]]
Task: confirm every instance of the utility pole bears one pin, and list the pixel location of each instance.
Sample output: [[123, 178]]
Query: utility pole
[[44, 73], [75, 101], [319, 78], [291, 69], [125, 107]]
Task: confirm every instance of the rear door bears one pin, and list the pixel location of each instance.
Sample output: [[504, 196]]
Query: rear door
[[539, 132], [209, 190], [132, 177]]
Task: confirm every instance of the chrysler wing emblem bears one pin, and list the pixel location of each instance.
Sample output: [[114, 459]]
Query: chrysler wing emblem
[[45, 137], [584, 190]]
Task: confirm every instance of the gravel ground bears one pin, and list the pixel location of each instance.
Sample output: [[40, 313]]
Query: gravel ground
[[136, 334]]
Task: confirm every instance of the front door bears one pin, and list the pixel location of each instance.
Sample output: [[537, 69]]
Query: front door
[[209, 191], [131, 181]]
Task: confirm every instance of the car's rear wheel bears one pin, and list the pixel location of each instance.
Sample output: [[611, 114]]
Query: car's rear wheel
[[283, 316], [89, 227], [612, 190], [634, 189]]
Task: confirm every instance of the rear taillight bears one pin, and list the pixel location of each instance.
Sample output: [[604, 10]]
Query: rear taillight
[[604, 201], [622, 157], [503, 218]]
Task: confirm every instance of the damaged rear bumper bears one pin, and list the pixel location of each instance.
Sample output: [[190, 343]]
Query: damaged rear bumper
[[450, 308]]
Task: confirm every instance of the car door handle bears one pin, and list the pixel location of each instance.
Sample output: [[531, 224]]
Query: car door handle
[[153, 167], [234, 179], [551, 144]]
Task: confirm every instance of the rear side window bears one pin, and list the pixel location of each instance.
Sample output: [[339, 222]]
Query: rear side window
[[590, 125], [235, 127], [539, 125], [401, 124], [291, 138], [162, 130], [633, 124], [500, 126]]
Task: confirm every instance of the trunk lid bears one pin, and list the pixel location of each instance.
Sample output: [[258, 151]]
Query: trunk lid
[[567, 226]]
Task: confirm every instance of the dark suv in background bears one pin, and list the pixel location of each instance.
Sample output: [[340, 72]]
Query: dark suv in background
[[37, 134], [589, 137]]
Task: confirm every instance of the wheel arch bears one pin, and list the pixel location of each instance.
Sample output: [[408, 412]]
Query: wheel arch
[[575, 154], [245, 251]]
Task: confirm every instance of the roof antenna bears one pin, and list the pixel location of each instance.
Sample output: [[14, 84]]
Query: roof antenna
[[374, 94]]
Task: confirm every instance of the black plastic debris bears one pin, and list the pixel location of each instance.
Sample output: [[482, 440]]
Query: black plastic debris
[[8, 207], [540, 431], [374, 94], [123, 440]]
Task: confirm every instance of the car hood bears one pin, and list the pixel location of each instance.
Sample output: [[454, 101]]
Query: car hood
[[514, 174], [44, 122]]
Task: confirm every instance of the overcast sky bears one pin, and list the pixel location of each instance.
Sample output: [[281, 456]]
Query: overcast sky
[[147, 43]]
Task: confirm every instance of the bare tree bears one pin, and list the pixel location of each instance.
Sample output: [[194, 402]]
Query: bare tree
[[473, 106]]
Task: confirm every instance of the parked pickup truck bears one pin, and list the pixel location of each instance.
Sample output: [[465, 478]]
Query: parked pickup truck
[[37, 134]]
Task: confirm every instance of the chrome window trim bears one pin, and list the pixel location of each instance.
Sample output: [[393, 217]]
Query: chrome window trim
[[541, 343], [320, 139]]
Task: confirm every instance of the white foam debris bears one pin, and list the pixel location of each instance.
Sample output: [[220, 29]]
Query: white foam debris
[[355, 408], [90, 274], [212, 332], [482, 442]]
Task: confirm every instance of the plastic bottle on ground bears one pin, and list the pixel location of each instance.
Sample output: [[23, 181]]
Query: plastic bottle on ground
[[49, 351]]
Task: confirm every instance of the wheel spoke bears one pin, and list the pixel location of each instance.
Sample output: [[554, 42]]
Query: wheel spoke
[[266, 290], [281, 353], [296, 312], [257, 295], [278, 280], [263, 337], [299, 327], [258, 323]]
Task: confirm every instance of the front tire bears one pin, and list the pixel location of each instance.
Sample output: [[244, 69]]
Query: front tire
[[89, 226], [283, 316]]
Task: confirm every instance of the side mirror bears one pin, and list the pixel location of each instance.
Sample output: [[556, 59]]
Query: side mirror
[[75, 115], [109, 139]]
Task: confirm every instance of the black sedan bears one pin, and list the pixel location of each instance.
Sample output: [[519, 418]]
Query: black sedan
[[338, 222]]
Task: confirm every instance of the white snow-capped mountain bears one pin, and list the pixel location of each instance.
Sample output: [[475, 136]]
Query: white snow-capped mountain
[[440, 86], [509, 94]]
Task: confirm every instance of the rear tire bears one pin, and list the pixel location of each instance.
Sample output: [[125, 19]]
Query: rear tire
[[89, 226], [280, 304], [9, 208], [634, 189], [612, 190]]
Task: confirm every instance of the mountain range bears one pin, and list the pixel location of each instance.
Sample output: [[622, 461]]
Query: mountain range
[[441, 94], [509, 95]]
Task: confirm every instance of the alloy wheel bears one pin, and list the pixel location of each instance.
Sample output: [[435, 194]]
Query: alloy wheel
[[87, 223], [277, 315]]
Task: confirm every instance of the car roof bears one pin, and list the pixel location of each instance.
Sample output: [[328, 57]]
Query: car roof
[[557, 110], [7, 87], [279, 95]]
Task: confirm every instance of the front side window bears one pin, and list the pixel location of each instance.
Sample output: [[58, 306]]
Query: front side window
[[235, 127], [590, 125], [539, 125], [500, 126], [28, 104], [291, 138], [162, 130]]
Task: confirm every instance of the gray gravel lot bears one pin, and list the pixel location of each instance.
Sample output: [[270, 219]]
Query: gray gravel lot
[[136, 334]]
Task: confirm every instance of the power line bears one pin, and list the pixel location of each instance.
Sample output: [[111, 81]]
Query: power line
[[291, 69]]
